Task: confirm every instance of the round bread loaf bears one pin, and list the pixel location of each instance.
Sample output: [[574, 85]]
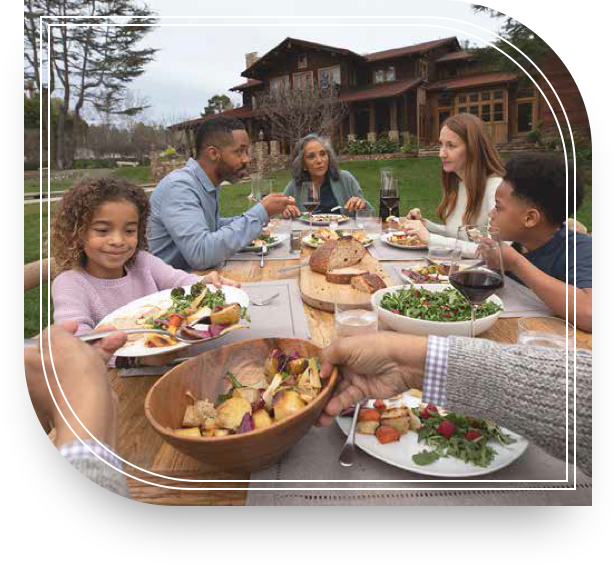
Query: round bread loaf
[[335, 254]]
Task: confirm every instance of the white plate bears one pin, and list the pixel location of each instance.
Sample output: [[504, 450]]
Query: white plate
[[442, 279], [385, 239], [400, 453], [138, 348], [278, 239], [315, 222], [307, 240], [416, 326]]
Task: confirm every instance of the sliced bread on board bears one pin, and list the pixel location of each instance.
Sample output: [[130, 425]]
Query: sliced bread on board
[[336, 254], [344, 275], [368, 283]]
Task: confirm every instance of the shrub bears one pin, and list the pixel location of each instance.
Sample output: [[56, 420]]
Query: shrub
[[412, 146], [94, 164], [385, 145], [360, 147]]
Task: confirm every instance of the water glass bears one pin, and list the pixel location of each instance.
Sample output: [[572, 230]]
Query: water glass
[[545, 332], [355, 319], [443, 255], [367, 220]]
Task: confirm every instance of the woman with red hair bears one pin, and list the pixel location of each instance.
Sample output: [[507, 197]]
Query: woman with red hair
[[471, 172]]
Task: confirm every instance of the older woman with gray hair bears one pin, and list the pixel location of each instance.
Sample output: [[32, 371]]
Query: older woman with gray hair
[[314, 161]]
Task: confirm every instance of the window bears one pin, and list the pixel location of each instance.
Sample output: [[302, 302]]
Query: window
[[385, 75], [329, 76], [302, 61], [525, 116], [444, 100], [498, 115], [529, 93], [462, 98], [485, 112], [473, 97], [442, 116], [379, 76], [390, 74], [474, 110], [280, 83], [491, 109], [498, 95], [302, 80], [485, 95], [462, 109]]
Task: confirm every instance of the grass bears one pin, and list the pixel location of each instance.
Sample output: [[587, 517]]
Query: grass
[[418, 179], [62, 180]]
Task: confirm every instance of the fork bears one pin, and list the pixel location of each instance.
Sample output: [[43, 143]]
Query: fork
[[347, 453], [264, 301]]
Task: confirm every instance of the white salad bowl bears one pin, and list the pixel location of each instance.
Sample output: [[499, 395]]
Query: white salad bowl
[[398, 323]]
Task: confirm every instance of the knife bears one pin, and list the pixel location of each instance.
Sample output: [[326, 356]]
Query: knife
[[285, 269]]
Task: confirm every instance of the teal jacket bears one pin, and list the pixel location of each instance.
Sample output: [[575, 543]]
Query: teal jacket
[[342, 189]]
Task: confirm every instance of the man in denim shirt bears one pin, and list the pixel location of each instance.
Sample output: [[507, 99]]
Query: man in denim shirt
[[185, 228]]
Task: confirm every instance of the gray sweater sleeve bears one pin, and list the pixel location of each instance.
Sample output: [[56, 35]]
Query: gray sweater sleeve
[[101, 474], [523, 389]]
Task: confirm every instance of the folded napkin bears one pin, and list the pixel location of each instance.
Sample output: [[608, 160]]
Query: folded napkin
[[283, 317]]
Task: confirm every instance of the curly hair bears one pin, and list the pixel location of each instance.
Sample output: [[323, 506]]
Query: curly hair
[[76, 210]]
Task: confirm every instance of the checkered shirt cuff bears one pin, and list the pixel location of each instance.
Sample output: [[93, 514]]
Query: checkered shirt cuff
[[435, 372], [77, 450]]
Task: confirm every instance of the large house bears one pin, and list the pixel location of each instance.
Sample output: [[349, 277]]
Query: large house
[[403, 92]]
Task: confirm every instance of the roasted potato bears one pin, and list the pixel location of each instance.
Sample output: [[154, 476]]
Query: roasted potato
[[227, 316], [220, 433], [297, 366], [188, 431], [286, 403], [402, 423], [231, 412], [261, 419], [250, 394]]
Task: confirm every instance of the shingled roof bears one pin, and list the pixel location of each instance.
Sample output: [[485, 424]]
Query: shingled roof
[[410, 50]]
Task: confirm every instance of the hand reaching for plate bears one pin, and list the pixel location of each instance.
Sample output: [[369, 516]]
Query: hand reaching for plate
[[414, 214], [218, 280], [355, 203], [372, 366], [417, 229], [291, 212]]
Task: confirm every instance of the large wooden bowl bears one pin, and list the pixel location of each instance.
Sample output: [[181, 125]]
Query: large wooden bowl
[[166, 402]]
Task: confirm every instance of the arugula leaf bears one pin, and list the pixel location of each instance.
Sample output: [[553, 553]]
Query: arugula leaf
[[425, 457]]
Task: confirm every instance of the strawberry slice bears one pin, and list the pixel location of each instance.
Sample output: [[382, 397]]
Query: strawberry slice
[[446, 429]]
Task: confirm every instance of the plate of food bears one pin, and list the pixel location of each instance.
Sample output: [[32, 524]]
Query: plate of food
[[425, 274], [428, 440], [210, 313], [322, 235], [323, 219], [265, 239], [402, 240]]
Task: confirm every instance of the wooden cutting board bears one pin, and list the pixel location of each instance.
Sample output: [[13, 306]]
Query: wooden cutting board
[[323, 295]]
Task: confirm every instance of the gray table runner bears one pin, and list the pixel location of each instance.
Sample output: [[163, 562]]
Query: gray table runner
[[284, 317], [315, 457]]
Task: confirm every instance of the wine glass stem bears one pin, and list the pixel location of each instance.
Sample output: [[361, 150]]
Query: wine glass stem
[[473, 317]]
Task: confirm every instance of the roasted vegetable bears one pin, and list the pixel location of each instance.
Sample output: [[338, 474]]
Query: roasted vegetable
[[297, 366], [315, 379], [261, 419], [286, 403], [188, 431], [272, 365], [268, 395], [387, 434], [227, 316], [252, 395], [230, 413], [220, 433], [247, 424]]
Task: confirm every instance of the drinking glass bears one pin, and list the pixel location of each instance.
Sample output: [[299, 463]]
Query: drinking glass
[[310, 197], [545, 332], [369, 222], [443, 255], [281, 227], [353, 320], [484, 277], [255, 188], [390, 197], [266, 187]]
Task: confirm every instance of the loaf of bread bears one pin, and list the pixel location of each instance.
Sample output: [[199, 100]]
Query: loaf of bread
[[335, 254], [368, 283], [344, 275]]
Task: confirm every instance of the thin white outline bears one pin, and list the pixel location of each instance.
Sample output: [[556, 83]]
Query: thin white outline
[[42, 18]]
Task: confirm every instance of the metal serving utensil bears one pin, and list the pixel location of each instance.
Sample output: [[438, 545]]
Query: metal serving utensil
[[347, 454], [263, 254], [264, 301]]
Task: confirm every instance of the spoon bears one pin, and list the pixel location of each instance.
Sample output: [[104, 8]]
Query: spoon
[[264, 301], [348, 449], [88, 338]]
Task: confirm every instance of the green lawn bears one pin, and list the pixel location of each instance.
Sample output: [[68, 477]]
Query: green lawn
[[419, 186], [61, 180]]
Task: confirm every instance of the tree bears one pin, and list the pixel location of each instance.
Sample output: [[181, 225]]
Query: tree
[[293, 113], [217, 104], [519, 35], [88, 65]]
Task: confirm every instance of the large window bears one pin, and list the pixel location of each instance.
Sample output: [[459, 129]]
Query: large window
[[280, 83], [489, 105], [329, 76], [385, 75], [302, 61], [302, 80]]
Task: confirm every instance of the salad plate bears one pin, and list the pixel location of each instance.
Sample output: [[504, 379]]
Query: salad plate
[[400, 453], [270, 241], [323, 219], [400, 241]]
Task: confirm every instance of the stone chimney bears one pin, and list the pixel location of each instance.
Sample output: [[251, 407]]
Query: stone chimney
[[251, 58]]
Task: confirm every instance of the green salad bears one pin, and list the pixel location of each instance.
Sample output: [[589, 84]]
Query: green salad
[[446, 305]]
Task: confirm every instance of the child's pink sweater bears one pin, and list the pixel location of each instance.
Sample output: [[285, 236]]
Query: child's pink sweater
[[81, 297]]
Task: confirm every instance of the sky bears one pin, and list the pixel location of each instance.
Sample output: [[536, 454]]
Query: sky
[[194, 63]]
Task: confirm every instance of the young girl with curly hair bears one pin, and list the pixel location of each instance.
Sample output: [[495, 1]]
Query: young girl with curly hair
[[98, 240]]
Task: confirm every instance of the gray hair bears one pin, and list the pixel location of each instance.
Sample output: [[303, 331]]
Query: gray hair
[[298, 171]]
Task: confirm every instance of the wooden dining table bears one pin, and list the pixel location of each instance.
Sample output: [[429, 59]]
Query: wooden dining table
[[144, 450]]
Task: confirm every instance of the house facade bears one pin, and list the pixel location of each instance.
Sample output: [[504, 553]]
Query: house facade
[[400, 93]]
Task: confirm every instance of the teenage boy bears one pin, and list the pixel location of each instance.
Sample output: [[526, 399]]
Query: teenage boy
[[530, 210]]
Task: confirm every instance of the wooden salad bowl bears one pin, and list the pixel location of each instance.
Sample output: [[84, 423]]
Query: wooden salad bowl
[[166, 403]]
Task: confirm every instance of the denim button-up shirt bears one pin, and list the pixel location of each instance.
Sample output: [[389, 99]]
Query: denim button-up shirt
[[185, 229]]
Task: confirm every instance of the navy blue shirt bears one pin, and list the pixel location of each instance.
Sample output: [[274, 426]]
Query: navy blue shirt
[[551, 258], [327, 199]]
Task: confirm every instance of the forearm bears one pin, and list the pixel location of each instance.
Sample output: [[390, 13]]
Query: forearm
[[524, 389], [409, 352], [556, 294]]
